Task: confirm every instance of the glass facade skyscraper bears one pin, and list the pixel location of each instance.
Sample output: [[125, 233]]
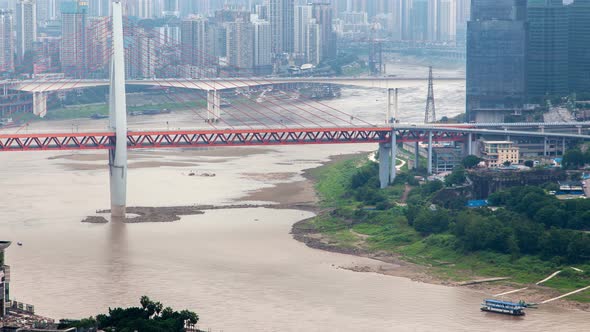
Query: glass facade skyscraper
[[496, 59], [547, 55], [579, 48]]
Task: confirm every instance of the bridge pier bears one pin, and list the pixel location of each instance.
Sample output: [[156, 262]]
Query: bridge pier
[[118, 118], [213, 106], [387, 160], [469, 144], [416, 155], [430, 152], [384, 161], [39, 104], [393, 172]]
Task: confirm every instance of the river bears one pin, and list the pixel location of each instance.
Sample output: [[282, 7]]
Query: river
[[239, 269]]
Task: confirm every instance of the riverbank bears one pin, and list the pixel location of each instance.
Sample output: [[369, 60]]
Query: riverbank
[[404, 260]]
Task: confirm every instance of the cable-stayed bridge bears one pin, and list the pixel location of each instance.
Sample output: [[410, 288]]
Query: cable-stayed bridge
[[245, 123]]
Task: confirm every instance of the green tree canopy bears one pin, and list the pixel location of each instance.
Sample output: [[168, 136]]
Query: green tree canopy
[[470, 161], [573, 158]]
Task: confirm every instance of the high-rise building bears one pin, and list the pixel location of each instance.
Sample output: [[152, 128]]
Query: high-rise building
[[102, 7], [419, 20], [407, 19], [170, 8], [73, 30], [148, 58], [281, 17], [140, 8], [43, 12], [302, 19], [323, 13], [579, 52], [496, 59], [498, 10], [240, 46], [98, 56], [26, 26], [188, 7], [6, 42], [463, 14], [547, 49], [447, 21], [262, 47], [432, 20], [195, 42], [313, 47]]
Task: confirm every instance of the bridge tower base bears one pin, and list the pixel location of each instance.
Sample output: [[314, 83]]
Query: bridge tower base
[[213, 106], [118, 118], [387, 159], [39, 104]]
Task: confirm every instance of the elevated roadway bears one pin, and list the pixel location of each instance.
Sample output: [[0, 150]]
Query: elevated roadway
[[226, 83]]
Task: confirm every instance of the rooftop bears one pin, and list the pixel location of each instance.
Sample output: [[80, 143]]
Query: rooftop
[[498, 142]]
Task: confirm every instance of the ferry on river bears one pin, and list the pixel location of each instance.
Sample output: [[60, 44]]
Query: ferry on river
[[503, 307]]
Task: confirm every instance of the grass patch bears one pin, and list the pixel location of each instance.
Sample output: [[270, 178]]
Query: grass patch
[[349, 223]]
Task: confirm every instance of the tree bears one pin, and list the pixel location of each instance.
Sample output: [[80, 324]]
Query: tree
[[529, 163], [457, 177], [573, 158], [145, 301], [470, 161], [506, 163], [432, 222], [431, 187], [143, 318]]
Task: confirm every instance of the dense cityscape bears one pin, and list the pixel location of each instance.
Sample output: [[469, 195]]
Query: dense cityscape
[[221, 124]]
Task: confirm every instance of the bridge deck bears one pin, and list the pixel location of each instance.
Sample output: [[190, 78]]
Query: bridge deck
[[195, 138]]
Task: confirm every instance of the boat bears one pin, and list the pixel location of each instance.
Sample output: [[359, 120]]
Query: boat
[[97, 116], [19, 243], [503, 307]]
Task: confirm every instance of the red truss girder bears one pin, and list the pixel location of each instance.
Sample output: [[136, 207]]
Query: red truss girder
[[56, 141], [209, 138]]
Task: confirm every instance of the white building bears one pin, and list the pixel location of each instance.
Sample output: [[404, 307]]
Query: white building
[[262, 47], [26, 26], [303, 15], [240, 46], [6, 41]]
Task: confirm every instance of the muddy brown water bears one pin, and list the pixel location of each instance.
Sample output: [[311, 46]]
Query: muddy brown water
[[239, 269]]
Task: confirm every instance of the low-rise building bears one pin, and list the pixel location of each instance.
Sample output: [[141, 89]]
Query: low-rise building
[[496, 153], [445, 159]]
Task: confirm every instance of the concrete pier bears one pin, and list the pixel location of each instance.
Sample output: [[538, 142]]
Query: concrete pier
[[40, 104], [387, 156], [384, 164], [118, 118], [393, 157], [430, 152], [213, 106], [416, 155]]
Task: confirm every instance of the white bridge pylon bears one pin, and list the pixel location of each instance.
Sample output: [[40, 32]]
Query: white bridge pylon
[[118, 118]]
